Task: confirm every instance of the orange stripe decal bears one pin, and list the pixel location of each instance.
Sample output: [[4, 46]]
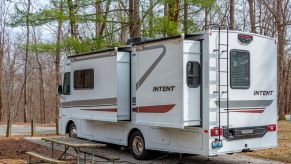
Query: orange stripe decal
[[154, 109]]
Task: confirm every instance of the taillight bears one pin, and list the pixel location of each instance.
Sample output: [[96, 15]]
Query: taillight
[[272, 127], [216, 131]]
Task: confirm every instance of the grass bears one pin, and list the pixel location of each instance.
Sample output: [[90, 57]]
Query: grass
[[283, 151]]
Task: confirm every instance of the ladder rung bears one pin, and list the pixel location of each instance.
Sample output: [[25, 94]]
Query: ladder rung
[[224, 92], [223, 71], [223, 85], [215, 50], [223, 44], [223, 58]]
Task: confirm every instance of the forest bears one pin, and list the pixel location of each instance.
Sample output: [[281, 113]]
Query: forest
[[36, 35]]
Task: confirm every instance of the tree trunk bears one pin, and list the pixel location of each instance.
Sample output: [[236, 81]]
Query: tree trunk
[[281, 29], [252, 16], [72, 19], [231, 14], [134, 19], [151, 20], [173, 14], [98, 12], [122, 38], [26, 63], [1, 71], [206, 20], [57, 60], [105, 17], [186, 16]]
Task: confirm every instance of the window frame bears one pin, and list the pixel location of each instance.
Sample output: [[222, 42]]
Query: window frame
[[199, 74], [249, 73], [67, 93], [92, 87]]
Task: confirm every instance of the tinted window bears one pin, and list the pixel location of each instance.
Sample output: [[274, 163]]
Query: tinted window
[[84, 79], [193, 74], [239, 69], [67, 84]]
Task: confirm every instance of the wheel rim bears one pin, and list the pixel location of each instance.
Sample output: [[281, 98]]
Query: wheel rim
[[137, 145], [73, 132]]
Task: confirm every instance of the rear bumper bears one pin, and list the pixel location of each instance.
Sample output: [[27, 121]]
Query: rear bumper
[[244, 132], [269, 140]]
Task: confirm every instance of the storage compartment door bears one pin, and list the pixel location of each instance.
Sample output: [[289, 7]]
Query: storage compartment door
[[123, 86]]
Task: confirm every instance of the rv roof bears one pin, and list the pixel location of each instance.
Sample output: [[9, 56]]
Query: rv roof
[[197, 36], [124, 49]]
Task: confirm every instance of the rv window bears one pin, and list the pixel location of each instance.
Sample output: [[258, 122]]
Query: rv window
[[239, 69], [67, 84], [84, 79], [193, 74]]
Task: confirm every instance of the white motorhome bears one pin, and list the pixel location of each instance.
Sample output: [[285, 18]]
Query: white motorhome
[[207, 93]]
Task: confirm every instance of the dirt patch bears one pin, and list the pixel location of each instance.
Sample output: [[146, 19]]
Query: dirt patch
[[15, 148], [283, 151]]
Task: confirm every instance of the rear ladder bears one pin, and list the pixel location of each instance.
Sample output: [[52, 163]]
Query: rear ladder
[[222, 52]]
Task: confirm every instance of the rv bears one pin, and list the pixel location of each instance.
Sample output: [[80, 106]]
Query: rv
[[207, 93]]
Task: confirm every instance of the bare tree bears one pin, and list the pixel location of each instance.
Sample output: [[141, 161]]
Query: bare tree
[[280, 14], [26, 62]]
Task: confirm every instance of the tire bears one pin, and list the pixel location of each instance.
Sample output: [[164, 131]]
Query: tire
[[72, 130], [137, 146]]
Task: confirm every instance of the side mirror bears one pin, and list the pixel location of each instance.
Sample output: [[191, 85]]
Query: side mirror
[[60, 89]]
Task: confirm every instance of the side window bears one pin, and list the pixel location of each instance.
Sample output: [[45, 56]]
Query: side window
[[84, 79], [193, 74], [67, 84], [239, 69]]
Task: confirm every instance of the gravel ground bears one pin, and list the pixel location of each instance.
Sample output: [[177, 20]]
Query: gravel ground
[[26, 130], [163, 158]]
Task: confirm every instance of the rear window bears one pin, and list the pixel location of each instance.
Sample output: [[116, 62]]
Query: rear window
[[239, 69]]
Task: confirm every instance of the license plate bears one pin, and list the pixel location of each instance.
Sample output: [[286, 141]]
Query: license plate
[[247, 131]]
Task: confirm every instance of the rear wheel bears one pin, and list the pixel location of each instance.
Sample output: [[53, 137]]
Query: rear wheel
[[137, 146], [72, 130]]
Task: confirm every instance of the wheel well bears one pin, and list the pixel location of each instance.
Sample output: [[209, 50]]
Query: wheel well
[[68, 125], [130, 133]]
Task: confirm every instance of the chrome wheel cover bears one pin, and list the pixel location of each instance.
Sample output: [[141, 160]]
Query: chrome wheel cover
[[137, 145], [73, 132]]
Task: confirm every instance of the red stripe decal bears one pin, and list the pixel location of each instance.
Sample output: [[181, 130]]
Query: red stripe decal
[[247, 110], [101, 110], [154, 109]]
